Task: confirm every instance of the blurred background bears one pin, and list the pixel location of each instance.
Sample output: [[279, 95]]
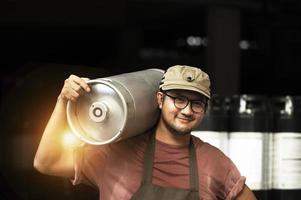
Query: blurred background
[[250, 48]]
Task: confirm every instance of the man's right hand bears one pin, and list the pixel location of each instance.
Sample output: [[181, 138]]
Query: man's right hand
[[74, 87]]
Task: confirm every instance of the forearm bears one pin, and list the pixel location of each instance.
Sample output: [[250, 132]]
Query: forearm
[[246, 194], [53, 157], [51, 148]]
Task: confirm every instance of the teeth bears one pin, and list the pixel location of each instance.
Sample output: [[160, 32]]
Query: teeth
[[185, 119]]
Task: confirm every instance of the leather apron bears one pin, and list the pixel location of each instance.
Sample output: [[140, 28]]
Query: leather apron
[[148, 191]]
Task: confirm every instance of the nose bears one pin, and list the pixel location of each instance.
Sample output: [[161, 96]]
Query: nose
[[187, 110]]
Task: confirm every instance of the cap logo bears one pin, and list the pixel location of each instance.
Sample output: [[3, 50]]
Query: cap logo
[[189, 76], [189, 79]]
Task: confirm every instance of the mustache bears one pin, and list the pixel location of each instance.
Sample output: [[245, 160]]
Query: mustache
[[186, 117]]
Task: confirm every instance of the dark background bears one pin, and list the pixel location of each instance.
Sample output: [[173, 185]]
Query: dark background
[[246, 46]]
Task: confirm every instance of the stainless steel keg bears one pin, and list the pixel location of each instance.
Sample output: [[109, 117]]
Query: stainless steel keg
[[118, 107], [286, 155], [249, 138]]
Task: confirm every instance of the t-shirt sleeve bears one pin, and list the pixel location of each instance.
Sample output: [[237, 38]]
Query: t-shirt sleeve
[[219, 176], [88, 162], [234, 183]]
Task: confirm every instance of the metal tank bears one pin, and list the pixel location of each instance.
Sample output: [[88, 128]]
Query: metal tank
[[249, 140], [214, 126], [287, 147], [117, 107]]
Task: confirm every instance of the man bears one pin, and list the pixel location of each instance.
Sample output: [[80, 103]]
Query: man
[[164, 163]]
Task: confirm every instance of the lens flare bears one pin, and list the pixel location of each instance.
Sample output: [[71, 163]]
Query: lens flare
[[70, 140]]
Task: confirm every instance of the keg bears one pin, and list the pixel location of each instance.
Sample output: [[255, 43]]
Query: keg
[[117, 107], [287, 147], [249, 138], [214, 126]]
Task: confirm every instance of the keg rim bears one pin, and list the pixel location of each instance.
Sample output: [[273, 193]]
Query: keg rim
[[77, 132]]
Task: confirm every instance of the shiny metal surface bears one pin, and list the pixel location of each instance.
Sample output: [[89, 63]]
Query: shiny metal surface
[[117, 107]]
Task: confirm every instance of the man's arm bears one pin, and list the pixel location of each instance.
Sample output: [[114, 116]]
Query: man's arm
[[52, 156], [246, 194]]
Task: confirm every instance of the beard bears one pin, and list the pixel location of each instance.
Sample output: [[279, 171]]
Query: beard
[[176, 131]]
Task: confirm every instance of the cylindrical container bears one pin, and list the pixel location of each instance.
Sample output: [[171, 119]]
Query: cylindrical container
[[249, 140], [287, 147], [117, 107], [214, 127]]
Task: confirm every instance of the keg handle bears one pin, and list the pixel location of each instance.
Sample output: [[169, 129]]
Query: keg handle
[[243, 106], [288, 108]]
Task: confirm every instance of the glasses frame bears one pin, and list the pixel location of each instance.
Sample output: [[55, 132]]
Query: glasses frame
[[188, 101]]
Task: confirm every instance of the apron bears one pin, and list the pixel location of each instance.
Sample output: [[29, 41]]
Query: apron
[[148, 191]]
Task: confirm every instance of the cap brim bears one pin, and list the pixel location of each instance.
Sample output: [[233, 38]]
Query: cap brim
[[185, 87]]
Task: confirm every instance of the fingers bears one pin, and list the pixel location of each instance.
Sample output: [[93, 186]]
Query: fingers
[[80, 81], [85, 79], [74, 87]]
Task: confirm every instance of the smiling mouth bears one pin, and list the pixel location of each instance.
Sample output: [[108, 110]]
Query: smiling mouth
[[185, 119]]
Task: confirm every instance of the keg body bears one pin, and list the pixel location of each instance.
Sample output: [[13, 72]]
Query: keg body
[[117, 107], [249, 139], [287, 147]]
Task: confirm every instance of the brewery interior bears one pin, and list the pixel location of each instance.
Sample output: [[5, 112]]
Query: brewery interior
[[250, 48]]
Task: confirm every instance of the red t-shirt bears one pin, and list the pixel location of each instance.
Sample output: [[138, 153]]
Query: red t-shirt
[[116, 169]]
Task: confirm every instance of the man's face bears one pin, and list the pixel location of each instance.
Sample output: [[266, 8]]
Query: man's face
[[180, 121]]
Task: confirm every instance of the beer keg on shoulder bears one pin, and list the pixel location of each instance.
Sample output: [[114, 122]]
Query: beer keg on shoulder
[[249, 140], [287, 147], [117, 107]]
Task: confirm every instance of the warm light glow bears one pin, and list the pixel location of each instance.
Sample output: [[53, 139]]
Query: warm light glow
[[69, 139]]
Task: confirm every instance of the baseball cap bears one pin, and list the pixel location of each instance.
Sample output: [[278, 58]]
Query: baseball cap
[[186, 78]]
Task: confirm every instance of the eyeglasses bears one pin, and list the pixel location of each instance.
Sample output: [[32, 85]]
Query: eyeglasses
[[181, 102]]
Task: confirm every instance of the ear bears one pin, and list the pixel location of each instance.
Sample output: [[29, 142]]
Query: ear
[[160, 99]]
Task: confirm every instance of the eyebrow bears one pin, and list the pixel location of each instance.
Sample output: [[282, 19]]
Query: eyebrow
[[199, 98]]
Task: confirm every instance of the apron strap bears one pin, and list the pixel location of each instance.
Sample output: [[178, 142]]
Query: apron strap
[[149, 157], [193, 169]]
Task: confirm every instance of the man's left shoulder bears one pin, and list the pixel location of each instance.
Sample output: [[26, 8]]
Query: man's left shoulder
[[201, 145], [209, 152]]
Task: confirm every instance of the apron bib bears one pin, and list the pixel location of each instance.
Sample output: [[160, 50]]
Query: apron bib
[[148, 191]]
